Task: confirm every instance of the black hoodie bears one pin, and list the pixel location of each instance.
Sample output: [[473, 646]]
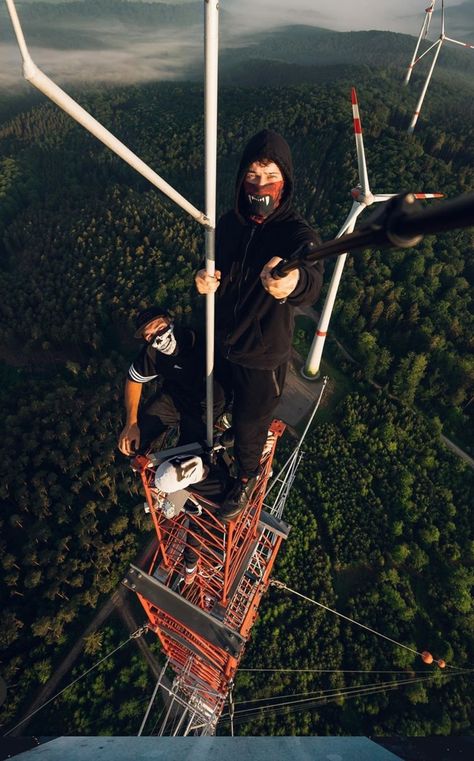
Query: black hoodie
[[253, 328]]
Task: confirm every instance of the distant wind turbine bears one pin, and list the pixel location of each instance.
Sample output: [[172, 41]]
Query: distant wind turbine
[[436, 46], [423, 34], [363, 197]]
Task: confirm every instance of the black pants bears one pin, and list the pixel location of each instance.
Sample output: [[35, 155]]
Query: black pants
[[256, 395], [164, 411]]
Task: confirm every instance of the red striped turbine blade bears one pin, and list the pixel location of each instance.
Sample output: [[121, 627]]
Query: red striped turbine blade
[[355, 112]]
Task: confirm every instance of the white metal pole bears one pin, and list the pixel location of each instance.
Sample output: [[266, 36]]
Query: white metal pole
[[39, 80], [211, 52], [313, 360], [425, 87], [19, 34]]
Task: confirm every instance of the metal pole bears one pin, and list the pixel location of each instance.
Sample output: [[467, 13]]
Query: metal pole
[[182, 717], [152, 699], [165, 720], [39, 80], [211, 47], [189, 724], [296, 450]]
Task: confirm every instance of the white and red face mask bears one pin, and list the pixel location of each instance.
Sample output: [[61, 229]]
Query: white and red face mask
[[262, 200]]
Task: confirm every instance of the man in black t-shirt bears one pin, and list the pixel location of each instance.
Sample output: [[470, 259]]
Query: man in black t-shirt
[[175, 356]]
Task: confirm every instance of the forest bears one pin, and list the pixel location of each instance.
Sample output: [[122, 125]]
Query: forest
[[380, 511], [314, 51]]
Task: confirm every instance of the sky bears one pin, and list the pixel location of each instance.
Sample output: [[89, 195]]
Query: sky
[[118, 54]]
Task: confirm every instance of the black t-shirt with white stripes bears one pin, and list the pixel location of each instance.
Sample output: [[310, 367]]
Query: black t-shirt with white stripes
[[183, 373]]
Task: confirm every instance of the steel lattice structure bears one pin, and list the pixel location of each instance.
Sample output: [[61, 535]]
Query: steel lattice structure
[[203, 628]]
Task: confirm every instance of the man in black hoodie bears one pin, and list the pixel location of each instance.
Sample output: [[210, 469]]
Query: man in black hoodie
[[254, 312]]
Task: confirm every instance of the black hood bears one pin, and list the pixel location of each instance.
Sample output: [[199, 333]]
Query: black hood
[[266, 144]]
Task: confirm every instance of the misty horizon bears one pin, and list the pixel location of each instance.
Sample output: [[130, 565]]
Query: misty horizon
[[110, 50]]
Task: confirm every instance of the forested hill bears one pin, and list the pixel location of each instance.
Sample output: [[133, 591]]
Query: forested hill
[[307, 51], [279, 56], [381, 514]]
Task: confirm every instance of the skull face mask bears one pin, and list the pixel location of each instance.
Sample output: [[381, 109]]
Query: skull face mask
[[164, 340]]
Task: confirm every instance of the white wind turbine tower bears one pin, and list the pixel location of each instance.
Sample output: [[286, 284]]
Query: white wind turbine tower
[[436, 46], [363, 197]]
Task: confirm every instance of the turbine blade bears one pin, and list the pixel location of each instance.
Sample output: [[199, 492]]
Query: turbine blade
[[423, 33], [363, 176], [457, 42], [426, 51], [429, 13], [381, 197], [349, 223], [442, 18]]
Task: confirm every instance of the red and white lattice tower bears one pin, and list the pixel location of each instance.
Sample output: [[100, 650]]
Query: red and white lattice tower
[[203, 627]]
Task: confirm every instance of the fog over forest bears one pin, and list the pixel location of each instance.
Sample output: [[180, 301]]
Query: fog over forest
[[82, 40]]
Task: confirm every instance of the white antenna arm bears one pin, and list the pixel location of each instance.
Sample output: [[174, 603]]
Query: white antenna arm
[[39, 80]]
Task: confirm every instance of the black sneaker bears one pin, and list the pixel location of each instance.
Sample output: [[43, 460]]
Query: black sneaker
[[236, 499], [192, 508]]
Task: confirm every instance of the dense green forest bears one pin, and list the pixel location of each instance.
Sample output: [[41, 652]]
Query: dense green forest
[[383, 535], [380, 510]]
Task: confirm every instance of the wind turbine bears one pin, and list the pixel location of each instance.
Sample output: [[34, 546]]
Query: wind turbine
[[436, 46], [363, 197], [38, 79], [423, 34]]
